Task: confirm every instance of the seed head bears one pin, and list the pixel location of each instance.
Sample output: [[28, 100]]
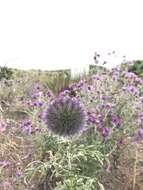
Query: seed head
[[65, 116]]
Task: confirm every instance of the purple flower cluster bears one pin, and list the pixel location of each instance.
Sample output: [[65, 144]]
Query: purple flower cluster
[[115, 73], [64, 93], [106, 131], [19, 173], [49, 94], [130, 75], [26, 126], [116, 120], [37, 87], [132, 90], [37, 103], [93, 118], [69, 91], [36, 100], [98, 120], [107, 106]]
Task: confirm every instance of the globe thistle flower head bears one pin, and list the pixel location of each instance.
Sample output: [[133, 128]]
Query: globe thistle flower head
[[65, 116]]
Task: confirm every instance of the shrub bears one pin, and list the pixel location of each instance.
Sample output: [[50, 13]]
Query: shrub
[[137, 68], [5, 73]]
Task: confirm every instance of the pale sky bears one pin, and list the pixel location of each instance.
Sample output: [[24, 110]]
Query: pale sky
[[63, 34]]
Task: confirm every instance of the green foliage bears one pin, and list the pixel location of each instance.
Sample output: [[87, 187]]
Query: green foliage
[[50, 162], [56, 80], [76, 164], [5, 73], [94, 69], [137, 68]]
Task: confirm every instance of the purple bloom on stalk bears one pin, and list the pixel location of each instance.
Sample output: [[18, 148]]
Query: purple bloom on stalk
[[19, 173], [64, 93], [130, 75], [139, 81], [116, 120], [115, 73], [65, 116], [37, 103], [80, 84], [108, 105], [26, 126], [92, 117], [106, 132], [37, 87], [115, 77], [68, 91], [133, 90], [104, 97], [49, 94]]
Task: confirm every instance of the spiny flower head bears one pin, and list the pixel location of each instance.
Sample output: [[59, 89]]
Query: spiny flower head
[[65, 116]]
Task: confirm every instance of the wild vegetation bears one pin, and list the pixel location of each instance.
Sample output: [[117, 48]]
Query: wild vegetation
[[64, 133]]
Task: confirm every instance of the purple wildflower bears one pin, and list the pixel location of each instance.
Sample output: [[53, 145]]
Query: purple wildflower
[[132, 89], [106, 132], [92, 117], [116, 120], [108, 106], [26, 126], [37, 87], [49, 94], [130, 75], [19, 173], [115, 77], [64, 93], [36, 103], [80, 84]]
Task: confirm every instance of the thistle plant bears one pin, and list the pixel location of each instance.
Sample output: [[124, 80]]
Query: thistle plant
[[65, 116]]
